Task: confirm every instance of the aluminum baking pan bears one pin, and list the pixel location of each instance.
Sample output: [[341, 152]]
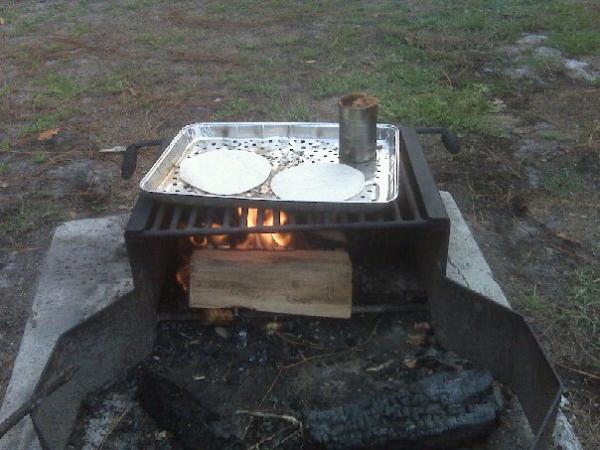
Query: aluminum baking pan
[[284, 144]]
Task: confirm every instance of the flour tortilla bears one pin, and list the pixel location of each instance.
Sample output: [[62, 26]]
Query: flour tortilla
[[225, 172], [325, 182]]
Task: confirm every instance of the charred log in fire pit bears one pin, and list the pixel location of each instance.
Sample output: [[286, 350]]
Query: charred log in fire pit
[[439, 411], [375, 382]]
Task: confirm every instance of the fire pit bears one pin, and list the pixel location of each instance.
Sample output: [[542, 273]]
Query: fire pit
[[397, 256]]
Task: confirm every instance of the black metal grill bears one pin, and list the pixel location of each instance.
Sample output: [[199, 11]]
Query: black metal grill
[[164, 219], [416, 229]]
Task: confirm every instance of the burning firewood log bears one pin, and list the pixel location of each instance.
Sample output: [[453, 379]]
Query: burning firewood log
[[306, 282]]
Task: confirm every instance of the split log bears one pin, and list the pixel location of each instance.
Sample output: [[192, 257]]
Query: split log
[[440, 411], [304, 282]]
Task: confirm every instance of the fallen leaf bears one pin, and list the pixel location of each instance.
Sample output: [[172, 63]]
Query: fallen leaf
[[411, 363], [2, 21], [117, 149], [48, 134], [382, 366], [133, 91], [310, 61], [222, 332], [3, 185]]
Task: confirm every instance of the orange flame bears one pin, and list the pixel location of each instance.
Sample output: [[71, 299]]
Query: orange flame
[[252, 241], [265, 241]]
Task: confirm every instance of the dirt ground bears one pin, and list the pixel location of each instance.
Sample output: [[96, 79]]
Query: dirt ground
[[519, 81]]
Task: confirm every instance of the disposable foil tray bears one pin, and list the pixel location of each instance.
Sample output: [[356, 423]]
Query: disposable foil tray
[[284, 145]]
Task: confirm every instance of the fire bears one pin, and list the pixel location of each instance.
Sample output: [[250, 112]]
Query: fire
[[265, 241], [250, 241]]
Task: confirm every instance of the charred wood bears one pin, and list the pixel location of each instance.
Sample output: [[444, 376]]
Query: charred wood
[[440, 411]]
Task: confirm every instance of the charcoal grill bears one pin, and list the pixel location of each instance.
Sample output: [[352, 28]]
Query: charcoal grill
[[414, 229]]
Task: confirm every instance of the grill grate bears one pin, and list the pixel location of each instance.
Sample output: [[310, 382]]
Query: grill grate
[[167, 219]]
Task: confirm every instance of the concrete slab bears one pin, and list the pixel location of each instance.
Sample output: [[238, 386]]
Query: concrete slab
[[85, 269], [466, 264]]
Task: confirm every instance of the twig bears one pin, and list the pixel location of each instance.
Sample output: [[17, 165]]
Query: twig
[[593, 376], [285, 338], [268, 415], [312, 358], [262, 400], [272, 436], [272, 385], [112, 428]]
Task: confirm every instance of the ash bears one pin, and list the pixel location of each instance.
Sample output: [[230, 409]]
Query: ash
[[291, 383]]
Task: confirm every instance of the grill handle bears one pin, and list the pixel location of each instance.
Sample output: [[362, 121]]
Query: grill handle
[[449, 138], [130, 157]]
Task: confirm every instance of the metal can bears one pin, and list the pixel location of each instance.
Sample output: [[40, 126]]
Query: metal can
[[358, 127]]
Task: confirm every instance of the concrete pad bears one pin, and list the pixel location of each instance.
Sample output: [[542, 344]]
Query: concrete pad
[[85, 269], [466, 264]]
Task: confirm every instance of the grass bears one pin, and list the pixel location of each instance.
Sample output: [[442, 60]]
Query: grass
[[114, 84], [563, 183], [4, 168], [39, 158], [577, 313], [28, 217], [550, 135], [40, 124], [573, 27], [240, 82], [585, 312], [57, 88], [237, 108], [535, 303], [299, 111]]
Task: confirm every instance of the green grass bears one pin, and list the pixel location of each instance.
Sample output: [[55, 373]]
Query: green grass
[[242, 83], [299, 111], [57, 88], [563, 183], [576, 313], [39, 158], [8, 12], [114, 84], [550, 135], [535, 303], [237, 108], [5, 90], [40, 124], [4, 145], [584, 299], [4, 168], [27, 217], [574, 28], [81, 29]]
